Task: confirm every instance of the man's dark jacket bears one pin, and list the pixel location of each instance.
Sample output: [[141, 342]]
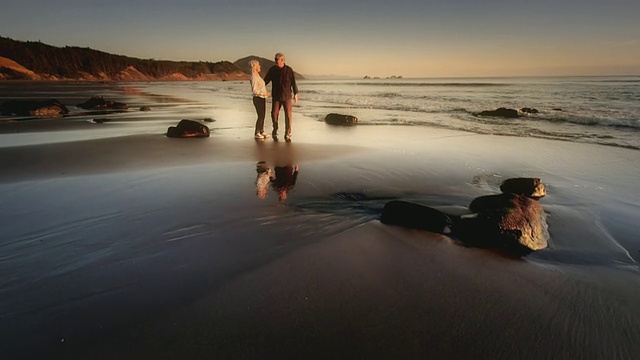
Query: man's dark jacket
[[283, 82]]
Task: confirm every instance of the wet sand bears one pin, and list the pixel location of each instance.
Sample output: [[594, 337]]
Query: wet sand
[[140, 246]]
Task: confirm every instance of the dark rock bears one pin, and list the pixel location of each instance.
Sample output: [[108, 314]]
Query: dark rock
[[502, 112], [188, 128], [99, 103], [509, 221], [145, 108], [557, 109], [529, 110], [101, 120], [208, 120], [529, 187], [416, 216], [339, 119], [33, 108]]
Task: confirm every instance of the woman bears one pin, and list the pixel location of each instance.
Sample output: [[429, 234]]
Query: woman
[[260, 94]]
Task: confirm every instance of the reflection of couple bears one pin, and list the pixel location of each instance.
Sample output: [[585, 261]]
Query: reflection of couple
[[283, 87], [281, 179]]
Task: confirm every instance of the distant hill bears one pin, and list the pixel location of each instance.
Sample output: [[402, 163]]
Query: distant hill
[[29, 60], [265, 64]]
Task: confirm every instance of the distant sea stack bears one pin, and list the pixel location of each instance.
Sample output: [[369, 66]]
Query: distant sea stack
[[367, 77]]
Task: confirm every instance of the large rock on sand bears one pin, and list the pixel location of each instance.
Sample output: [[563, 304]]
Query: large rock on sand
[[510, 221], [33, 108], [529, 187], [99, 103], [339, 119], [187, 129]]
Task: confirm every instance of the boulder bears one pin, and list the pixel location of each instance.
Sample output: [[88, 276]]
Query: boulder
[[145, 108], [502, 112], [509, 221], [529, 187], [339, 119], [188, 128], [33, 108], [415, 216], [99, 103]]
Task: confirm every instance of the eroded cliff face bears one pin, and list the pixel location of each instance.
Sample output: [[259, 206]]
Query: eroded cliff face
[[11, 70]]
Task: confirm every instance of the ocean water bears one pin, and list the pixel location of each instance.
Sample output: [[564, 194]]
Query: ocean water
[[599, 110]]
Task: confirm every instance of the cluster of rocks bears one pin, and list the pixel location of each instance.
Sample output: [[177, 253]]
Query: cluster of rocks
[[99, 103], [54, 108], [187, 128], [513, 220], [339, 119]]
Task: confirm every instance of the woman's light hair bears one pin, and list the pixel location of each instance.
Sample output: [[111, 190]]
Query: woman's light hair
[[253, 64]]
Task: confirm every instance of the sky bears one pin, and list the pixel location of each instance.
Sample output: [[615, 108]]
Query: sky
[[409, 38]]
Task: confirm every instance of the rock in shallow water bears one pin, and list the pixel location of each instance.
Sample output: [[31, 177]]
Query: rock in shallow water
[[511, 221], [501, 112], [415, 216]]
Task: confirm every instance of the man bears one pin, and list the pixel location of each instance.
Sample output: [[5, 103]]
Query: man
[[283, 84]]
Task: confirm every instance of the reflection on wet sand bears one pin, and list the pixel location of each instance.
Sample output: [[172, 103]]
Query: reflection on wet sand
[[282, 179], [262, 179]]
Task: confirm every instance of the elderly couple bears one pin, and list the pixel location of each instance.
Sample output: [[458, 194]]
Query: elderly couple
[[283, 86]]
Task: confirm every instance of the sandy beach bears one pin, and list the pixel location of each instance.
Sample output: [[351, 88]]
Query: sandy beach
[[118, 242]]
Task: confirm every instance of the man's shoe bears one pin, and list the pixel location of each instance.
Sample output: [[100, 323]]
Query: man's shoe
[[287, 137], [259, 136], [265, 135]]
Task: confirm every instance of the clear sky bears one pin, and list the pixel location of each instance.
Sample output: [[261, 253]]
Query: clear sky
[[412, 38]]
